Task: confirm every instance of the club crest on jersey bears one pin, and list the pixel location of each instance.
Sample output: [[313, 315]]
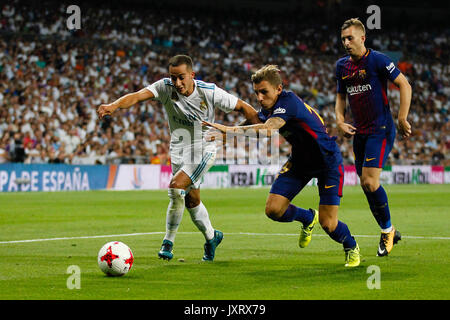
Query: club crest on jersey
[[362, 73], [203, 105]]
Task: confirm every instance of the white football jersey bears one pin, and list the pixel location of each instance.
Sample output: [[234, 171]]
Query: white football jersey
[[185, 115]]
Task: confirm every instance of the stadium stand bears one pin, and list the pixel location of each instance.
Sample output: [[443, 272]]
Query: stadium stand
[[52, 79]]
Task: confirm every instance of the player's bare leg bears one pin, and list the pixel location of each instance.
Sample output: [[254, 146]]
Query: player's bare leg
[[328, 217], [192, 198], [370, 179], [276, 206]]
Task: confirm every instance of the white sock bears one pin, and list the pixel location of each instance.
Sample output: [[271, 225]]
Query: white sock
[[200, 217], [387, 230], [174, 212]]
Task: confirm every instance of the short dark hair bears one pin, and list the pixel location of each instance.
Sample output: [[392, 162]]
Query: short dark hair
[[180, 59]]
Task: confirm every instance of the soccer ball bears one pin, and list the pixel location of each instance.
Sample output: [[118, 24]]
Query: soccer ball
[[115, 258]]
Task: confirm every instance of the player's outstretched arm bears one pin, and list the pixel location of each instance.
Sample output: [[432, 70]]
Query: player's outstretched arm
[[405, 101], [250, 114], [347, 129], [268, 127], [124, 102]]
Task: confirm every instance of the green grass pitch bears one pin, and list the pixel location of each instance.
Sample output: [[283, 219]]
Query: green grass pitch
[[259, 259]]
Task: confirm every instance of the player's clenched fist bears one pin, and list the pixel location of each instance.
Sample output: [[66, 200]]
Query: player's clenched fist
[[106, 110]]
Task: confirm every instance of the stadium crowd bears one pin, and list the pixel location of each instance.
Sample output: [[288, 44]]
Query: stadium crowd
[[52, 79]]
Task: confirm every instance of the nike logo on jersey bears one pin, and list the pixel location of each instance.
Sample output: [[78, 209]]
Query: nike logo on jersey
[[279, 110], [328, 187], [348, 76], [369, 159], [361, 74], [390, 67]]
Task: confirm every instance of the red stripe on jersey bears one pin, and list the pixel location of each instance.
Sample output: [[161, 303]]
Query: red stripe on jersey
[[308, 129], [341, 180], [383, 93], [383, 148]]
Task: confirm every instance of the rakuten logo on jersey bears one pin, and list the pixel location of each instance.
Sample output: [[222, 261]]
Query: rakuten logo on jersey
[[352, 90]]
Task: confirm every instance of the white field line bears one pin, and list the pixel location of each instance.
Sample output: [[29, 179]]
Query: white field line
[[233, 234]]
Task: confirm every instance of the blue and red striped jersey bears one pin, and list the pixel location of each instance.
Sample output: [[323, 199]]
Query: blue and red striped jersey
[[312, 148], [365, 84]]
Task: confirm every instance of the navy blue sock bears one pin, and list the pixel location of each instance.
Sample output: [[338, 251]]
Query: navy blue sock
[[378, 203], [342, 235], [298, 214]]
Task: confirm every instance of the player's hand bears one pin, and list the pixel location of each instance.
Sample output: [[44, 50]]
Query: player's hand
[[105, 110], [404, 128], [347, 129]]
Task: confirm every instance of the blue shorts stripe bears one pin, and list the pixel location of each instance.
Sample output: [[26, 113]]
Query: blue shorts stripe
[[200, 168]]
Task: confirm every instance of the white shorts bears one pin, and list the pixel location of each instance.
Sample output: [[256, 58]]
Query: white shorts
[[196, 171]]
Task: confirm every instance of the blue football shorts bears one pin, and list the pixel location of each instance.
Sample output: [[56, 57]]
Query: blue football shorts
[[372, 150], [290, 181]]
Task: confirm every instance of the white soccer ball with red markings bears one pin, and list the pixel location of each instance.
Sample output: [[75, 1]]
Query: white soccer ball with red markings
[[115, 258]]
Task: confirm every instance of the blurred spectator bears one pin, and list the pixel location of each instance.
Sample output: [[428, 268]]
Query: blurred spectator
[[52, 80]]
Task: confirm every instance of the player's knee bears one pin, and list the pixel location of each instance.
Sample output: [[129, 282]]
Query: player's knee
[[369, 184], [328, 224], [273, 213], [174, 184]]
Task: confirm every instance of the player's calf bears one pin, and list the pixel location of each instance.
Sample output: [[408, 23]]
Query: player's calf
[[328, 223], [276, 206], [370, 179]]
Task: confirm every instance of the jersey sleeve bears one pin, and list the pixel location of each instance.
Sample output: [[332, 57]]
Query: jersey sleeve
[[386, 67], [159, 88], [224, 100], [285, 109], [340, 85]]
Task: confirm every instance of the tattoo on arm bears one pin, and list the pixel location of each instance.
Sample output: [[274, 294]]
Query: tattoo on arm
[[275, 123], [269, 127]]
